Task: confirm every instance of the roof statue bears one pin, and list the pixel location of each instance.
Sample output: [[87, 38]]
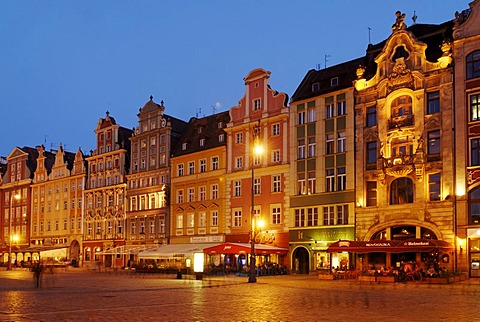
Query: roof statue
[[399, 22]]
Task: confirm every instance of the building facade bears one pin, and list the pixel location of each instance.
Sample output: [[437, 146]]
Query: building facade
[[57, 205], [466, 55], [404, 146], [105, 196], [257, 186], [322, 200], [149, 178]]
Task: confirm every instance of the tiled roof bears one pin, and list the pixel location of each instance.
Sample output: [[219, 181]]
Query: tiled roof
[[206, 128], [345, 72]]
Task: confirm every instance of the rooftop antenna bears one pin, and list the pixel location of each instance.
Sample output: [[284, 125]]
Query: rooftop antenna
[[214, 109], [45, 139], [326, 56], [199, 111], [414, 17], [319, 66], [369, 31]]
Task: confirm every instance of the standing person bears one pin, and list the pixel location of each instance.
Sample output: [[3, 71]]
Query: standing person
[[37, 272]]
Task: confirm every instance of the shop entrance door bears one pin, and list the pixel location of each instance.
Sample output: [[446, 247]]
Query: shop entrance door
[[301, 260]]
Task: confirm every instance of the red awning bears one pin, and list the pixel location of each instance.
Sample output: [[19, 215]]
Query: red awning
[[389, 246], [243, 248]]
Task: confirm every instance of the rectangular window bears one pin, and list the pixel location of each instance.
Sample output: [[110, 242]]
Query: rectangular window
[[302, 184], [191, 167], [191, 194], [202, 219], [180, 196], [312, 182], [342, 215], [341, 142], [301, 118], [434, 186], [474, 107], [433, 142], [237, 190], [256, 186], [330, 180], [312, 217], [371, 153], [371, 193], [276, 156], [257, 104], [301, 149], [312, 115], [300, 218], [276, 129], [329, 144], [328, 216], [312, 147], [214, 191], [276, 216], [214, 218], [276, 183], [329, 111], [203, 165], [371, 116], [202, 193], [341, 108], [237, 218], [180, 170], [180, 221], [239, 162], [239, 138], [190, 220], [341, 179], [433, 102], [475, 151], [215, 163]]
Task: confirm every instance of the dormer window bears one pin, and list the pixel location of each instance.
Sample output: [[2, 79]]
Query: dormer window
[[184, 146], [199, 129], [202, 142], [315, 87], [220, 125], [334, 82], [221, 138]]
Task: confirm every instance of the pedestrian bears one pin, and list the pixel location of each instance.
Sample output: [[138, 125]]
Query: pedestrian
[[37, 272]]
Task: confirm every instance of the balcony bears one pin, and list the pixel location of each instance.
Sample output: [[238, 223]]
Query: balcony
[[397, 122], [398, 166]]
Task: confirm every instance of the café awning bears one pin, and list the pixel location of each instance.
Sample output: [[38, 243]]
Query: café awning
[[389, 246], [243, 248]]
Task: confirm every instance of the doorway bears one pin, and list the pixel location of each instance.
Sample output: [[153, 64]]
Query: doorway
[[301, 261]]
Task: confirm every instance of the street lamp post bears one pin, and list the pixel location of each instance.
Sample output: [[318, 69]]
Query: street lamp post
[[10, 237], [252, 278]]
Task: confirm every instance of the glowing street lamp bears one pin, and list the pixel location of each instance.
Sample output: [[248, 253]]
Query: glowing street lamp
[[10, 236], [257, 150]]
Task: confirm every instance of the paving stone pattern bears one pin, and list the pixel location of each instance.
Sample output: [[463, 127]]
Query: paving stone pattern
[[77, 295]]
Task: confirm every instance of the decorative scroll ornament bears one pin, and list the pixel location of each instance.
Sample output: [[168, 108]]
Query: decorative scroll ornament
[[400, 76]]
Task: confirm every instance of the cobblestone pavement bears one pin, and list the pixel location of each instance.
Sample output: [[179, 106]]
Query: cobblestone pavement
[[86, 296]]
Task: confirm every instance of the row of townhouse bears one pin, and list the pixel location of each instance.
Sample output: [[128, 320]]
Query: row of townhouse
[[373, 162]]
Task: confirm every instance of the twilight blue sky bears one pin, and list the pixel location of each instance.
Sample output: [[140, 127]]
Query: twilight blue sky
[[65, 63]]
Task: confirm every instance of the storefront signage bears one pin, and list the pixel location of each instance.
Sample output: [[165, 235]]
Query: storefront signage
[[207, 239], [417, 243], [378, 244]]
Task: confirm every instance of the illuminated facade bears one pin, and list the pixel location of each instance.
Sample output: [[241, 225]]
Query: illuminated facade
[[404, 143], [105, 195], [264, 110], [57, 205], [466, 54], [149, 177], [198, 182], [15, 215], [322, 199]]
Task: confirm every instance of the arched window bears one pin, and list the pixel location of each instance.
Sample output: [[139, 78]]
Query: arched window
[[402, 106], [401, 191], [474, 201], [473, 64]]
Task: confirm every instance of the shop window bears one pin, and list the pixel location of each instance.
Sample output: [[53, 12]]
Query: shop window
[[401, 191]]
